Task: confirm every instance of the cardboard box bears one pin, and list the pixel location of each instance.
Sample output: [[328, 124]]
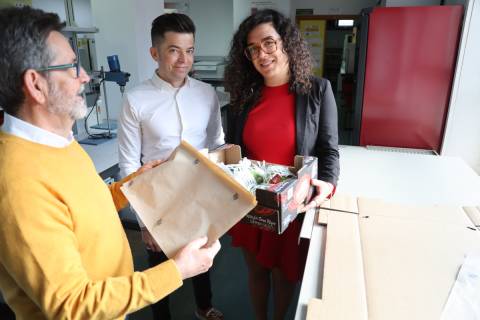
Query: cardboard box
[[277, 206]]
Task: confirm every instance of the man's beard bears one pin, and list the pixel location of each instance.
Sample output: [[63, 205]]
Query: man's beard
[[75, 107]]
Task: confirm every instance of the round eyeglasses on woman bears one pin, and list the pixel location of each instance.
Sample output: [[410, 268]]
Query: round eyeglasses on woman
[[75, 65], [268, 45]]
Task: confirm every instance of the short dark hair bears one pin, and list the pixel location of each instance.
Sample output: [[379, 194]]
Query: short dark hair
[[243, 81], [23, 35], [176, 22]]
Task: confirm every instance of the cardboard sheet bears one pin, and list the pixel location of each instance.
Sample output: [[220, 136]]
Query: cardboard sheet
[[400, 261], [187, 197], [338, 203], [449, 215], [343, 294], [341, 202], [411, 257], [316, 310]]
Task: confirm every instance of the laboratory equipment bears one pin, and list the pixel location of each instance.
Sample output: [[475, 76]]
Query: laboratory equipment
[[98, 79]]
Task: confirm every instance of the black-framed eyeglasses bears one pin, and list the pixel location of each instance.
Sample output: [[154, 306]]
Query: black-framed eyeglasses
[[268, 45], [75, 65]]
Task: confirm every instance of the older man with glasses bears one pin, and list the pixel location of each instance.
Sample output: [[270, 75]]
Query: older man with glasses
[[63, 252]]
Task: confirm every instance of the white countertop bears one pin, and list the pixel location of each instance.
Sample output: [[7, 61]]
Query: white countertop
[[407, 178], [104, 155]]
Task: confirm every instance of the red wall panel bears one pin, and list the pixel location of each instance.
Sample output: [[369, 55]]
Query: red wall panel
[[410, 63]]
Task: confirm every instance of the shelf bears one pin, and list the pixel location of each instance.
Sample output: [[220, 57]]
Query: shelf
[[71, 29]]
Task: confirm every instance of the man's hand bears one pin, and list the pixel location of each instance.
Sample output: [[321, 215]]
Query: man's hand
[[149, 165], [324, 189], [150, 243], [195, 258]]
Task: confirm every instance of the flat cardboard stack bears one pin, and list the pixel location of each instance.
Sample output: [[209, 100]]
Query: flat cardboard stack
[[388, 261], [277, 206]]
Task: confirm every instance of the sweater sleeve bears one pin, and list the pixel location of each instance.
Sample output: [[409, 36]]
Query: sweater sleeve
[[41, 254], [118, 197]]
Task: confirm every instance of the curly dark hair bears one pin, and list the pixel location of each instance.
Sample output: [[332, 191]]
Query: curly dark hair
[[243, 81]]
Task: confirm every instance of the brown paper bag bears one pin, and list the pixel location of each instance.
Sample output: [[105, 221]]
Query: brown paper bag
[[187, 197]]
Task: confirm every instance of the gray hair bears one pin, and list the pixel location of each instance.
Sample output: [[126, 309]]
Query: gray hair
[[23, 35]]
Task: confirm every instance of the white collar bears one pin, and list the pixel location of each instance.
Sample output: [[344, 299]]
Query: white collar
[[162, 84], [28, 131]]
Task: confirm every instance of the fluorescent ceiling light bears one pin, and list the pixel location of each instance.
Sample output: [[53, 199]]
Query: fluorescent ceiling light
[[345, 23]]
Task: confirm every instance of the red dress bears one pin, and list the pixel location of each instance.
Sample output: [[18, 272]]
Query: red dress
[[269, 135]]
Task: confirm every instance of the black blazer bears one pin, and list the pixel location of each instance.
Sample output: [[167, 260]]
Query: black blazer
[[316, 128]]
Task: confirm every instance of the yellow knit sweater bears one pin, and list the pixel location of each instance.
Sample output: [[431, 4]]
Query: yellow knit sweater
[[63, 251]]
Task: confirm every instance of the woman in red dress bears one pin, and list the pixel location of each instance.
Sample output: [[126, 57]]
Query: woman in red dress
[[278, 109]]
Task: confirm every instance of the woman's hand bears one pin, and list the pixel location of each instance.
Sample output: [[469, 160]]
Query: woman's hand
[[324, 190]]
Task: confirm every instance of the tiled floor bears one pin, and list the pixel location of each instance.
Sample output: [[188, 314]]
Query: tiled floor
[[229, 285]]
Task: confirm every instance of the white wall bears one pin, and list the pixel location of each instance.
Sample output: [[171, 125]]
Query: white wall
[[283, 6], [83, 13], [57, 6], [214, 23], [462, 134], [332, 7], [124, 29], [217, 20], [82, 10], [144, 14], [241, 10]]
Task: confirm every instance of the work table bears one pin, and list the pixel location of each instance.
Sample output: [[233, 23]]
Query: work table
[[397, 177]]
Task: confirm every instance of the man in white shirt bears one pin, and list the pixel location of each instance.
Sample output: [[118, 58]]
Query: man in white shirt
[[158, 114]]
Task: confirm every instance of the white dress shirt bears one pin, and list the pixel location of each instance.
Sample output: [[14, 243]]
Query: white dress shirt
[[22, 129], [156, 116]]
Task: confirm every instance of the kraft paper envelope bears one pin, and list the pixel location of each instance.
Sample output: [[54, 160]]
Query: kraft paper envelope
[[187, 197]]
